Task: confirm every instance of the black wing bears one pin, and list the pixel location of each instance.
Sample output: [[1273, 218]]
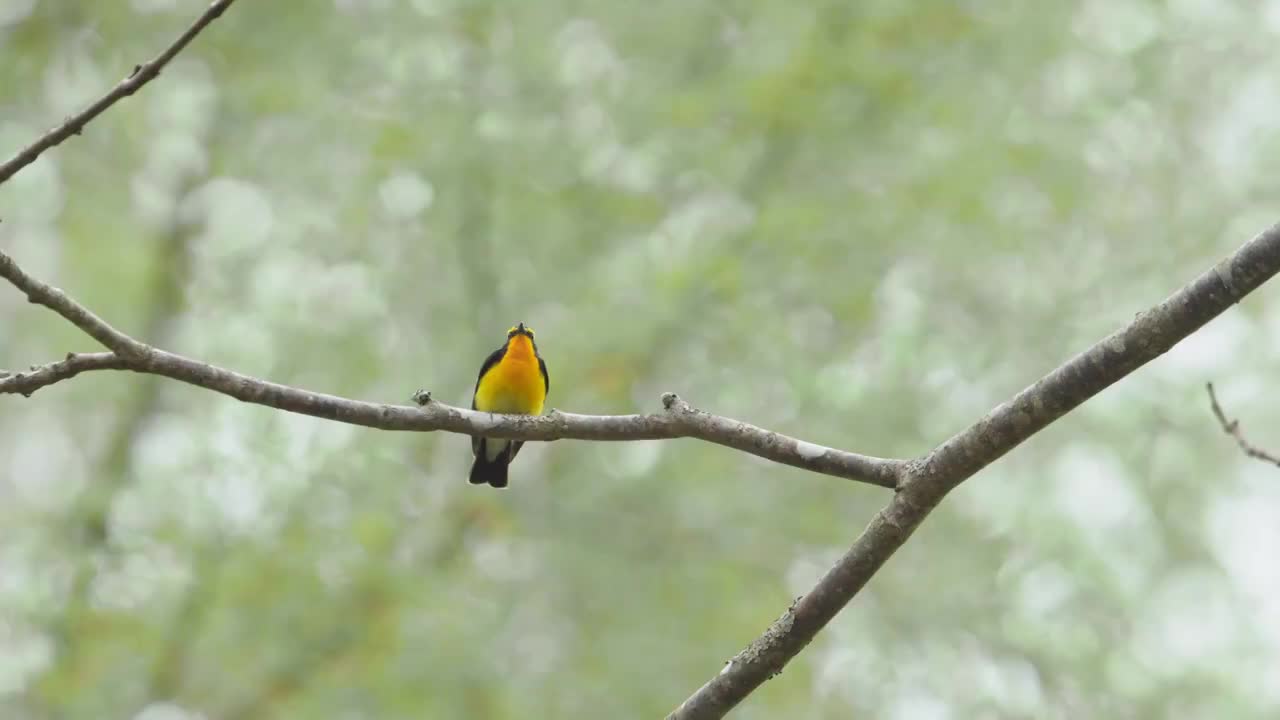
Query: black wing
[[494, 358]]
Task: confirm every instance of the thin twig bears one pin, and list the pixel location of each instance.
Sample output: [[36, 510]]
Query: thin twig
[[676, 421], [141, 75], [1232, 428], [25, 383], [926, 481]]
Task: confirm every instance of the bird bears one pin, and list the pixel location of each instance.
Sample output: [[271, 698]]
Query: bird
[[513, 379]]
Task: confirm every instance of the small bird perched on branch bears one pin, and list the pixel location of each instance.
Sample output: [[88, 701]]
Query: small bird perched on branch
[[512, 380]]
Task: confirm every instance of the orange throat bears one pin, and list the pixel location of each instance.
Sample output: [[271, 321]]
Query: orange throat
[[520, 348]]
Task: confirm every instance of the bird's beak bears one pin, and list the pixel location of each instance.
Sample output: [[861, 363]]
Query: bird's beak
[[521, 328]]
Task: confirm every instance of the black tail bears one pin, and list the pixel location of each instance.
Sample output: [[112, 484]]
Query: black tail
[[493, 472]]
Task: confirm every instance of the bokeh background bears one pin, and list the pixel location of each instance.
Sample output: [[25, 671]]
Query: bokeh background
[[861, 223]]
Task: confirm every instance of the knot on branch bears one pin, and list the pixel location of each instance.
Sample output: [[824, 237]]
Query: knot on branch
[[674, 403]]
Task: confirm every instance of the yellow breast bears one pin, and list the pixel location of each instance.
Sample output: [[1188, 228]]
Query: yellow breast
[[515, 384]]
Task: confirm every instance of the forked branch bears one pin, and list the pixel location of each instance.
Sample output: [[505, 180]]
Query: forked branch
[[927, 480], [920, 484], [677, 420]]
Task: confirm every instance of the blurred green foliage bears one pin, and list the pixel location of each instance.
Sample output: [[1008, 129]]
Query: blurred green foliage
[[860, 223]]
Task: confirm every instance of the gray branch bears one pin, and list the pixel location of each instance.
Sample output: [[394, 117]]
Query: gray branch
[[677, 419], [25, 383], [141, 75], [927, 480]]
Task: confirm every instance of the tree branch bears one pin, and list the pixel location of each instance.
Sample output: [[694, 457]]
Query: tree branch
[[676, 421], [927, 480], [25, 383], [78, 315], [141, 75], [1232, 428]]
